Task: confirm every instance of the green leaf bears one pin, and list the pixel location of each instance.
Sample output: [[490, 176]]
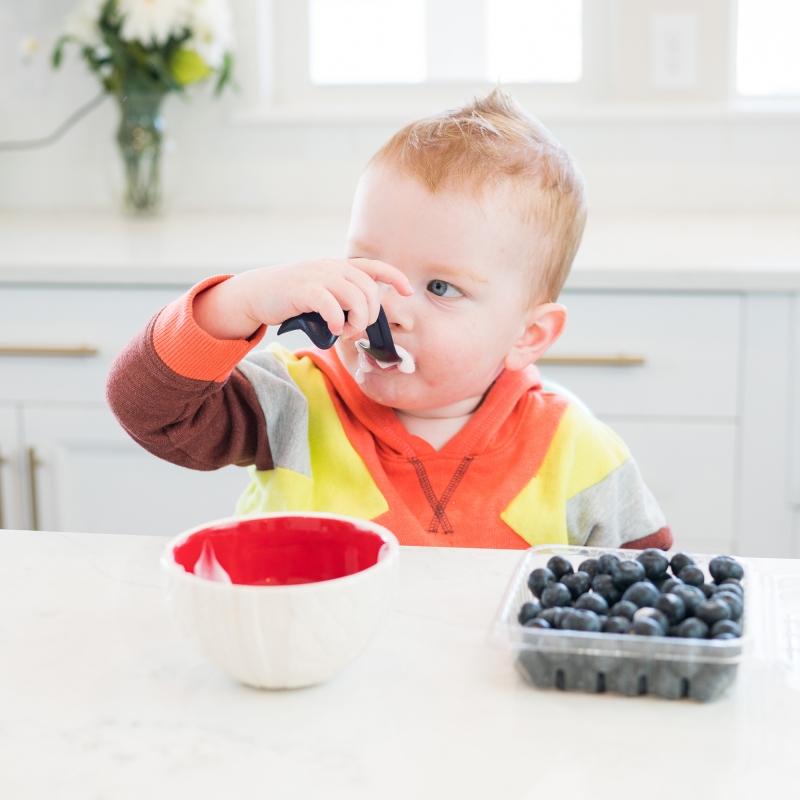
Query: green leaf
[[58, 52], [225, 75]]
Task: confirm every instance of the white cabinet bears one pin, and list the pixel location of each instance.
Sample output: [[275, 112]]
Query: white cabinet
[[10, 511], [89, 476], [100, 319], [689, 344]]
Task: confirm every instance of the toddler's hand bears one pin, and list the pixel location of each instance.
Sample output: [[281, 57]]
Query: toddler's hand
[[237, 307]]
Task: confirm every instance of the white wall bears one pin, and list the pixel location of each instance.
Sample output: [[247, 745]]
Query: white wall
[[642, 150]]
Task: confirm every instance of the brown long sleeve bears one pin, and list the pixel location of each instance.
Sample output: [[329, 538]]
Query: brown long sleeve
[[200, 424]]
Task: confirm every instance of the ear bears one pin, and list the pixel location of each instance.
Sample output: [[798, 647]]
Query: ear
[[543, 326]]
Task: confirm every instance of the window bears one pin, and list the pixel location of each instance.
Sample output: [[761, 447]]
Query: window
[[767, 52], [354, 42]]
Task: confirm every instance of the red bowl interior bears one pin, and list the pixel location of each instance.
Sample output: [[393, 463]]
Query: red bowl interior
[[284, 550]]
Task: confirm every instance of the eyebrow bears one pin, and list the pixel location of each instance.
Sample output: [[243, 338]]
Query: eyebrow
[[446, 270], [458, 272]]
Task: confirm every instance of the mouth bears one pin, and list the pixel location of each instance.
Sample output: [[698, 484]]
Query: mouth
[[367, 363], [378, 365]]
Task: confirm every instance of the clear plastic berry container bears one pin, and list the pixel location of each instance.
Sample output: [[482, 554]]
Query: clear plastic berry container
[[668, 667]]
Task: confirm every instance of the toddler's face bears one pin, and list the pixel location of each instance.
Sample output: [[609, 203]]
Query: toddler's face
[[465, 260]]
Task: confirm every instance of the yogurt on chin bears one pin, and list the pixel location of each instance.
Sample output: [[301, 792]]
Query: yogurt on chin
[[407, 365]]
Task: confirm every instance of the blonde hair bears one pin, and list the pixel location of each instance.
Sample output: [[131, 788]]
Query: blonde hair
[[488, 142]]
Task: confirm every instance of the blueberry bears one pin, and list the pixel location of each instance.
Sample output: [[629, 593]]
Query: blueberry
[[556, 595], [560, 567], [732, 583], [642, 594], [607, 564], [691, 596], [733, 601], [652, 613], [623, 609], [537, 623], [692, 575], [723, 567], [679, 561], [713, 611], [659, 582], [669, 585], [692, 628], [646, 627], [726, 626], [579, 619], [592, 602], [725, 636], [603, 584], [655, 563], [602, 618], [552, 616], [528, 612], [578, 583], [672, 607], [540, 579], [708, 589], [617, 625], [589, 566], [628, 573]]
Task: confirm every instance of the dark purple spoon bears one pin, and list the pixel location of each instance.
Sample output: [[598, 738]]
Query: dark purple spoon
[[381, 345]]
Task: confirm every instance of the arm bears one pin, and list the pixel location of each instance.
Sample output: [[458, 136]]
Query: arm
[[175, 391], [661, 539]]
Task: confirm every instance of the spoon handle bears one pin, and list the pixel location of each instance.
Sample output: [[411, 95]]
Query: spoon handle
[[381, 345], [314, 326]]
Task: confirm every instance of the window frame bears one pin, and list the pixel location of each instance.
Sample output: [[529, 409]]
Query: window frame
[[285, 85]]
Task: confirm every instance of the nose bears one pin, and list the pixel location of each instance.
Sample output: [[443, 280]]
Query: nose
[[398, 310]]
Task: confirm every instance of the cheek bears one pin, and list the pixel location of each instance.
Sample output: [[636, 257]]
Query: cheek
[[461, 347]]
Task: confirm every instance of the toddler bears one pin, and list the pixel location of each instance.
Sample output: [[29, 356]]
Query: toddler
[[464, 227]]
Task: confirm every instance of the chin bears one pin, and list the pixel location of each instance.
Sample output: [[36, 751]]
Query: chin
[[393, 393], [387, 392]]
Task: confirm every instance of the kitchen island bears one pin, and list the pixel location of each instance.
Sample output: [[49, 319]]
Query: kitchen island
[[101, 698]]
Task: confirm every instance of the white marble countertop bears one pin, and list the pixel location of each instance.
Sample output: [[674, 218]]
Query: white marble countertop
[[734, 252], [100, 698]]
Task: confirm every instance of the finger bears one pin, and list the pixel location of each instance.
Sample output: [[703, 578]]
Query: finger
[[385, 273], [330, 310], [351, 298], [371, 290]]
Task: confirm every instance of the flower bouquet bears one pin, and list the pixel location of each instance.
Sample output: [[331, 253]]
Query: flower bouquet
[[142, 50]]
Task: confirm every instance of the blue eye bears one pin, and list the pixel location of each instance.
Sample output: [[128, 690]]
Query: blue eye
[[443, 289]]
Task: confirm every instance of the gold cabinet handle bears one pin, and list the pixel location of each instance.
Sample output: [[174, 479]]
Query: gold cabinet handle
[[40, 350], [3, 462], [33, 465], [594, 361]]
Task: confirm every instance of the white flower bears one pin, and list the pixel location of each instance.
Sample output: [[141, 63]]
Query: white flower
[[82, 22], [211, 25], [152, 21]]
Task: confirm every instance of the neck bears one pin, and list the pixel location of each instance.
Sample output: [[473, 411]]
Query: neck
[[437, 426]]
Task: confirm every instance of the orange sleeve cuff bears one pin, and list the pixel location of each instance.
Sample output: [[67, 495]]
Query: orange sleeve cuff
[[191, 352]]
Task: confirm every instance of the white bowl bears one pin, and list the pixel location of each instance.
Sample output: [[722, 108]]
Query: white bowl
[[281, 632]]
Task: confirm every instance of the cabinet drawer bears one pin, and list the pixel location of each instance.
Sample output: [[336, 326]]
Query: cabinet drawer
[[689, 344], [690, 468], [103, 319]]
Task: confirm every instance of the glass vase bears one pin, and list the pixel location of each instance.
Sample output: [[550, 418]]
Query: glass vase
[[140, 134]]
